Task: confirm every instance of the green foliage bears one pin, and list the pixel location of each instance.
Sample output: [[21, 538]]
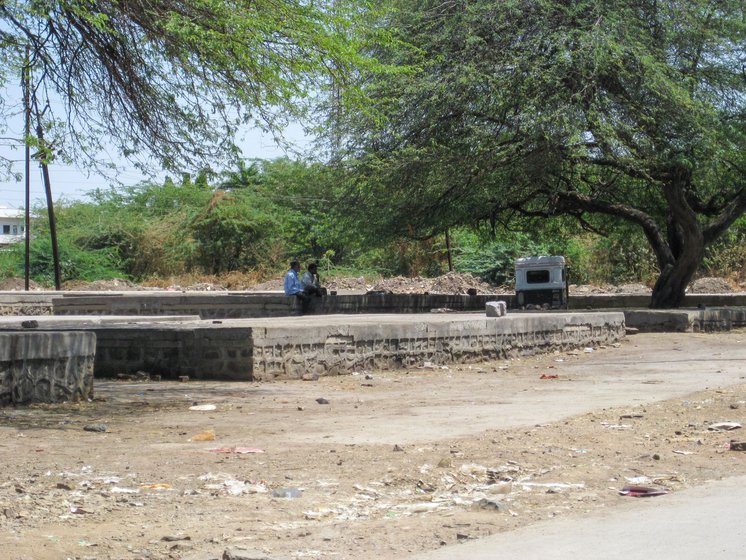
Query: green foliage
[[231, 233], [603, 112], [175, 80], [727, 257], [75, 264]]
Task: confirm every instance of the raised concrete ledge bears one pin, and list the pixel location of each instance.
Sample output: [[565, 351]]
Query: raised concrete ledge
[[248, 349], [170, 346], [46, 366], [686, 320], [390, 342], [616, 301], [237, 305]]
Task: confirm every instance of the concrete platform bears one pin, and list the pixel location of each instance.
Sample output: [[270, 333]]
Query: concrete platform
[[288, 348]]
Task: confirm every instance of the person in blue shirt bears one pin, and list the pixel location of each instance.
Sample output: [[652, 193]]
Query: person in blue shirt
[[293, 286]]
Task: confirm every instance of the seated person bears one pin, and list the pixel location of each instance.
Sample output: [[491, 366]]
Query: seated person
[[293, 287], [311, 282]]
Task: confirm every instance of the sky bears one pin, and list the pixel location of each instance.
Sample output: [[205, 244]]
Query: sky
[[73, 183]]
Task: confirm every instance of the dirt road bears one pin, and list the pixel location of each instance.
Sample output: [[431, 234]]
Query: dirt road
[[373, 465]]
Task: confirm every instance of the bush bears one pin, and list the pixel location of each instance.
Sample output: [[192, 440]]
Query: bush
[[75, 264]]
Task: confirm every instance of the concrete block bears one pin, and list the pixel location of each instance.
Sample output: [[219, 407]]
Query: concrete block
[[496, 308], [46, 366]]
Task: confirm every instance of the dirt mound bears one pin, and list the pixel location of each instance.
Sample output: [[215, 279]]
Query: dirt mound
[[17, 285], [350, 284], [631, 289], [112, 285], [710, 286], [584, 289], [198, 287], [268, 286], [450, 283]]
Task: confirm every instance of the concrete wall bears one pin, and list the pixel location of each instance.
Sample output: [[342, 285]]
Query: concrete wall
[[46, 366], [196, 350], [247, 305], [328, 349], [252, 305], [287, 348], [686, 320]]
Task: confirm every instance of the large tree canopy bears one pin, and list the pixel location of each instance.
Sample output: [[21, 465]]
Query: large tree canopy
[[604, 110], [174, 79]]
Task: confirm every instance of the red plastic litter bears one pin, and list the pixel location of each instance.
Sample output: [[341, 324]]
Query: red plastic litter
[[545, 376], [642, 491]]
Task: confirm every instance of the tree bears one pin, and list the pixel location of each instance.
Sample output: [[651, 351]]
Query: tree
[[631, 111], [174, 79]]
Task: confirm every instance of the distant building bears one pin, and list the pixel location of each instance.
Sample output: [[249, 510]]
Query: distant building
[[12, 225]]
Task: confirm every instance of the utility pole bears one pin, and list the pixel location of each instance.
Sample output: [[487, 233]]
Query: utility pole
[[27, 134], [43, 157]]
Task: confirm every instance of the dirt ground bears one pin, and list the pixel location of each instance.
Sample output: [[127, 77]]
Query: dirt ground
[[450, 283], [379, 464]]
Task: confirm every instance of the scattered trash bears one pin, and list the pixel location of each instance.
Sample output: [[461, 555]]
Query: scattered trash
[[289, 493], [680, 452], [616, 426], [484, 503], [552, 485], [424, 487], [157, 486], [78, 511], [630, 415], [638, 480], [236, 450], [398, 447], [95, 428], [203, 407], [723, 426], [545, 376], [642, 491], [121, 490], [322, 400], [208, 435], [587, 350]]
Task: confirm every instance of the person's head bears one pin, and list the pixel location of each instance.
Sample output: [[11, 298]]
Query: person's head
[[295, 265], [312, 268]]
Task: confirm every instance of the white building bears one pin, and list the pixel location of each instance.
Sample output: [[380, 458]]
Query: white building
[[12, 225]]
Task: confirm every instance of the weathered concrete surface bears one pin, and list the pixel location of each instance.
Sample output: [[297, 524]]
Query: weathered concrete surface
[[237, 305], [686, 320], [345, 344], [169, 346], [46, 366], [704, 522], [282, 348]]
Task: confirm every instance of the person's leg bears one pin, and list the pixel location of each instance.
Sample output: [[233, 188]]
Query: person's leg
[[304, 299]]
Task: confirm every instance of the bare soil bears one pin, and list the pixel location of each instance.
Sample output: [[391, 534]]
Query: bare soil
[[379, 464], [449, 283]]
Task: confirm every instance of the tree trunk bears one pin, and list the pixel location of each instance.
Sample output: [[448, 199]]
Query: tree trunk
[[686, 242], [670, 287]]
